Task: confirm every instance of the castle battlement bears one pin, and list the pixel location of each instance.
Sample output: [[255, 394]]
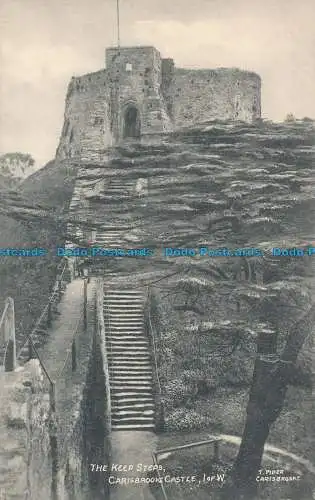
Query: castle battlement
[[140, 93]]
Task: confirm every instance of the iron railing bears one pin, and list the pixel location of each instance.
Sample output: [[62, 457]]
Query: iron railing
[[155, 456], [101, 339], [159, 409]]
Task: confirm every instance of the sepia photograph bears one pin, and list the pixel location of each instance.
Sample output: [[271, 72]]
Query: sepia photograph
[[157, 250]]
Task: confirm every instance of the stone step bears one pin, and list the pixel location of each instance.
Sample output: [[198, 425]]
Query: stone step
[[132, 303], [123, 293], [126, 371], [114, 353], [127, 354], [125, 300], [133, 407], [138, 390], [133, 378], [148, 400], [141, 383], [116, 331], [125, 329], [133, 346], [124, 316], [132, 413], [140, 346], [119, 320], [129, 393], [116, 294], [132, 427], [103, 234], [137, 416], [132, 420], [118, 327], [128, 347], [124, 338], [131, 300], [124, 361]]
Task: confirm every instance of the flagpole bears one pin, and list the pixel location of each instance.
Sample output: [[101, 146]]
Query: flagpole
[[118, 25]]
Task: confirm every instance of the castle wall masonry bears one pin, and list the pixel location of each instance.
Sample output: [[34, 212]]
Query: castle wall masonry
[[139, 93]]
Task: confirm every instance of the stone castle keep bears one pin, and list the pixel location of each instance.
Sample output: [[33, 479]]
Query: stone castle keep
[[140, 93]]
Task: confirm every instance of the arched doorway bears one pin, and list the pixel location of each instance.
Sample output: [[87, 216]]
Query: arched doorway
[[131, 126]]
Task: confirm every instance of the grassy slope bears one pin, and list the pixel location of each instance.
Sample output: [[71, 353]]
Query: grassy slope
[[29, 280]]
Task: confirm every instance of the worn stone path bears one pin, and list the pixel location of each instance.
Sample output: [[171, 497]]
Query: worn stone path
[[131, 448], [54, 353]]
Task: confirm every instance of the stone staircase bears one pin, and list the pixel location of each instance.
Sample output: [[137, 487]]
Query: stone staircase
[[129, 359], [120, 187]]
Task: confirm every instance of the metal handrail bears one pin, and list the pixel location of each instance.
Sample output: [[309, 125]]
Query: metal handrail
[[76, 332], [155, 462], [100, 327], [40, 361], [3, 314], [153, 343], [6, 343], [188, 445], [44, 311], [155, 455]]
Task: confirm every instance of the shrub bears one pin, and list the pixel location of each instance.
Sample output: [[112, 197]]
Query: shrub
[[185, 420]]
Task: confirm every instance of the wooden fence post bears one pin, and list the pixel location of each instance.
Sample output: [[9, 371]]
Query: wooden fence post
[[49, 315], [9, 335], [74, 355], [85, 303], [53, 442], [31, 353], [216, 455]]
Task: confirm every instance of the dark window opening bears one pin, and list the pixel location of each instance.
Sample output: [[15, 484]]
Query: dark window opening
[[71, 136]]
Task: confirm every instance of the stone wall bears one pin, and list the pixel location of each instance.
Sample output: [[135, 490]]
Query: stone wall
[[86, 120], [33, 464], [49, 438], [222, 94], [25, 452]]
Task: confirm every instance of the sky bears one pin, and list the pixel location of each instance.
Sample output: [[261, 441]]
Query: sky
[[45, 42]]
